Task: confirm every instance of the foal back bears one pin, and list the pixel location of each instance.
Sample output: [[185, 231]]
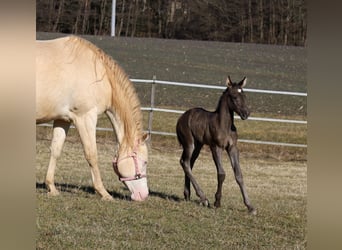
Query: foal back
[[193, 126], [200, 126]]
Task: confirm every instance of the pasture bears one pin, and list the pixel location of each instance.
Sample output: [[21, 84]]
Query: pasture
[[275, 177]]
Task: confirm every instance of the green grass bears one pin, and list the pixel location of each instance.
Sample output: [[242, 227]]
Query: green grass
[[275, 177], [79, 219]]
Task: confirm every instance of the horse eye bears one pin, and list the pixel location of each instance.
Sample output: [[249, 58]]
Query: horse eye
[[239, 90]]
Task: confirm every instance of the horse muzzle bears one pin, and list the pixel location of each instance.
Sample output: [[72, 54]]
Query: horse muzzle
[[138, 188], [244, 114]]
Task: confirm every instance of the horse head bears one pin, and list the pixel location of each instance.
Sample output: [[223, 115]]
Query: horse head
[[238, 98], [130, 165]]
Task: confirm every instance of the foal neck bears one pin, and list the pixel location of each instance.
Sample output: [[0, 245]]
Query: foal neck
[[224, 112]]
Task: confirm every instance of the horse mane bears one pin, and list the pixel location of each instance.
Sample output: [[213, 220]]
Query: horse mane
[[223, 97], [125, 101]]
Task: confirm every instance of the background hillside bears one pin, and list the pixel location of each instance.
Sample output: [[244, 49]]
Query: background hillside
[[270, 67]]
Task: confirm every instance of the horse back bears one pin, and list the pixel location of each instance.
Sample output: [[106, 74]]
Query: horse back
[[68, 80], [202, 126], [193, 125]]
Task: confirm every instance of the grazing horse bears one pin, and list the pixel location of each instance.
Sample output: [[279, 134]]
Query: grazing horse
[[75, 82], [198, 127]]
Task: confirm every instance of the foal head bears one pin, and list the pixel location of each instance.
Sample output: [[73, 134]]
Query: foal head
[[237, 97]]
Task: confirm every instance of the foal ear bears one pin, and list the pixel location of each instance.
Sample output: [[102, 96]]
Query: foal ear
[[243, 82], [229, 82]]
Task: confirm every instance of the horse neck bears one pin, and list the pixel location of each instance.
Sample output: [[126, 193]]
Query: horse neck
[[125, 111], [224, 113]]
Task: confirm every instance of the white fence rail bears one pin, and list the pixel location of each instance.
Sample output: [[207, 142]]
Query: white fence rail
[[152, 109]]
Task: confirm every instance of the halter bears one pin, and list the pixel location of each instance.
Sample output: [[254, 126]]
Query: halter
[[138, 175]]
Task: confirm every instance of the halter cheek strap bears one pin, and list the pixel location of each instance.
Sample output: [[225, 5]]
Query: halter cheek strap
[[138, 175]]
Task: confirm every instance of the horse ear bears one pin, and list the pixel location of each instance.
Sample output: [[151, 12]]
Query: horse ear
[[243, 82], [145, 137], [229, 82]]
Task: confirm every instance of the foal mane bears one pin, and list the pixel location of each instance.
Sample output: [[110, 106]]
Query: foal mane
[[224, 97], [125, 102]]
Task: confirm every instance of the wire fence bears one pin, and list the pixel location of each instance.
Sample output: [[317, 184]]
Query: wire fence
[[152, 109]]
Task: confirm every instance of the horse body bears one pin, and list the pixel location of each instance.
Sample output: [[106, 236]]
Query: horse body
[[75, 82], [198, 127]]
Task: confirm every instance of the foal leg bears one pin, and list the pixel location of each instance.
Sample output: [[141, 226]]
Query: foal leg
[[185, 162], [60, 130], [233, 154], [221, 175], [86, 126], [194, 156]]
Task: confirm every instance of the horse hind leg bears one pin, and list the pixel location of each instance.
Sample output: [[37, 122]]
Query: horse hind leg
[[187, 161], [60, 131], [194, 156]]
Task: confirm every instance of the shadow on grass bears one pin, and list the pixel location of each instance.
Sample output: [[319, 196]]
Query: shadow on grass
[[164, 196], [70, 188]]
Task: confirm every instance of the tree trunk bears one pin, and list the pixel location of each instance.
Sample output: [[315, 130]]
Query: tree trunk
[[78, 17], [122, 17], [149, 19], [129, 17], [287, 21], [261, 21], [250, 18], [159, 19], [135, 18], [51, 14], [59, 13], [102, 15]]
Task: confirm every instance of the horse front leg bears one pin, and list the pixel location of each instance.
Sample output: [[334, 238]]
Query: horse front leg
[[221, 175], [60, 131], [185, 162], [86, 126], [233, 154]]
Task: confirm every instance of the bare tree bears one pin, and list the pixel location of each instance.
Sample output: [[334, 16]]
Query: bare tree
[[264, 21], [60, 10]]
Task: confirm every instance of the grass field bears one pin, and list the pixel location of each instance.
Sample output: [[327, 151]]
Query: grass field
[[275, 177], [78, 219]]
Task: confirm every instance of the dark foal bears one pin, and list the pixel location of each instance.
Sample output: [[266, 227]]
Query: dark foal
[[197, 127]]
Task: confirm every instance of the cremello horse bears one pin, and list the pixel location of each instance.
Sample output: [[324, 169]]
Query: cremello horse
[[75, 82]]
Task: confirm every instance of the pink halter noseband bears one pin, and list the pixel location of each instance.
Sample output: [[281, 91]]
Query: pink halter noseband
[[138, 175]]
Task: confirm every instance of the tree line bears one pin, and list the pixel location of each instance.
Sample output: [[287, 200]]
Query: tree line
[[282, 22]]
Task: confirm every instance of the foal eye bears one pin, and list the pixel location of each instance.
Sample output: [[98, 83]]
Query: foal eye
[[239, 90]]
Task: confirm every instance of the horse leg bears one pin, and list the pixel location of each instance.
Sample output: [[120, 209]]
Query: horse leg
[[221, 175], [60, 130], [194, 156], [233, 154], [86, 126], [185, 162]]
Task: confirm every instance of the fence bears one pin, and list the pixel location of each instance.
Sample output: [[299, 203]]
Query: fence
[[152, 109]]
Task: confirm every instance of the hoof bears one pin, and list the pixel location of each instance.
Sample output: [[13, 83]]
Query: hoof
[[205, 203], [107, 198], [217, 204], [252, 211], [53, 193]]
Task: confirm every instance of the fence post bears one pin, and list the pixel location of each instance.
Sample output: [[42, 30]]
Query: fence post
[[150, 116]]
